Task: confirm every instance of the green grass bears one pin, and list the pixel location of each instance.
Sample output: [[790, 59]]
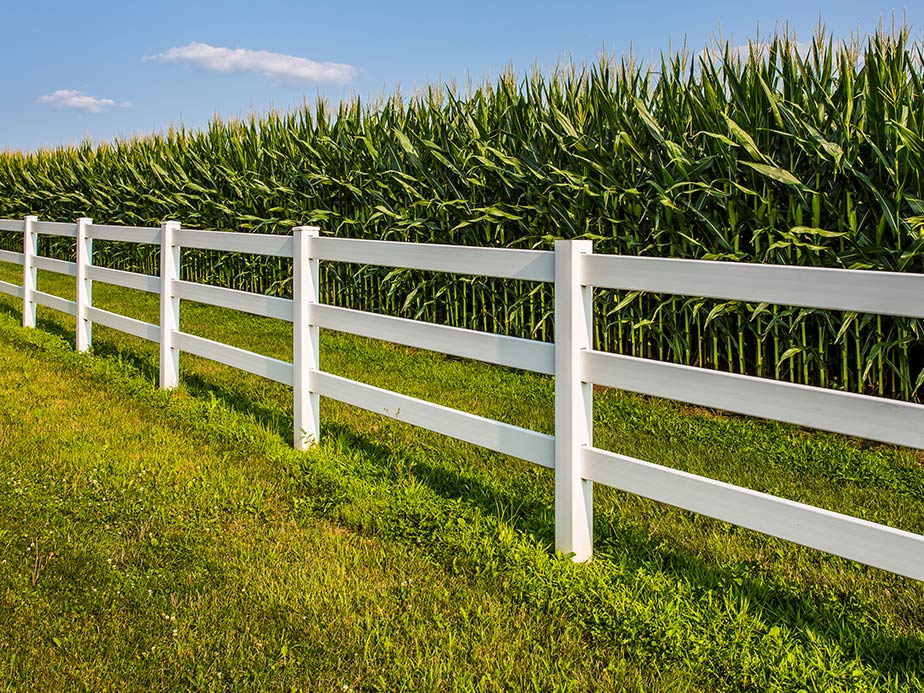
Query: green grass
[[140, 553], [671, 600]]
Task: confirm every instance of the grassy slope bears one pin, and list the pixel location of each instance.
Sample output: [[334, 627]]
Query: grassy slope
[[674, 594], [140, 553]]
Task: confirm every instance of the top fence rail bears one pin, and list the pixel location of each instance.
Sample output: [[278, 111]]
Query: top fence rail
[[257, 244], [529, 265], [55, 228], [128, 234]]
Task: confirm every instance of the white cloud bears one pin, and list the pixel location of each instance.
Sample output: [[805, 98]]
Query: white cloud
[[278, 66], [71, 98]]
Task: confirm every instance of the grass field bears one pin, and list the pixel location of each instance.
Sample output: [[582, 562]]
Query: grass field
[[394, 558]]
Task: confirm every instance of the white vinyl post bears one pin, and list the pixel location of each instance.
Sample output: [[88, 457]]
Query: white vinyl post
[[305, 347], [573, 402], [84, 285], [169, 306], [29, 272]]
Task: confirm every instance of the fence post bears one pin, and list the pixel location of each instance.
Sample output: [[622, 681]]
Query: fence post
[[30, 275], [84, 285], [573, 402], [305, 347], [169, 306]]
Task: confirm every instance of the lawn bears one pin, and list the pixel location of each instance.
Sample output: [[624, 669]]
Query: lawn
[[394, 558]]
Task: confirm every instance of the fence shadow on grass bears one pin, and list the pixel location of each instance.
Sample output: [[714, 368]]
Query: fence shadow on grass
[[631, 546], [49, 325], [277, 422], [636, 549], [144, 366], [104, 347]]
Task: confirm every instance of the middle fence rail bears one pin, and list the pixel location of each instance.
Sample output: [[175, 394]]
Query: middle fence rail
[[574, 270]]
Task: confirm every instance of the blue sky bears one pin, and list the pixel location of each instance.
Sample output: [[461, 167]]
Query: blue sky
[[103, 69]]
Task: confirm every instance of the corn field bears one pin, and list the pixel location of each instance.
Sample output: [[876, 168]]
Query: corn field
[[770, 155]]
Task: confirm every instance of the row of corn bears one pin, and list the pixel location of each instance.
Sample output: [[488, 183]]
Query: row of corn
[[774, 154]]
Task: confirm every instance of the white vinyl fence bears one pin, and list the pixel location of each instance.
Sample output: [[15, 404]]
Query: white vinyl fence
[[575, 365]]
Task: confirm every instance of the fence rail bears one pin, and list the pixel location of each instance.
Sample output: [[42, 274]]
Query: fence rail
[[575, 271], [513, 352], [863, 291], [874, 418], [128, 280], [533, 265], [132, 234]]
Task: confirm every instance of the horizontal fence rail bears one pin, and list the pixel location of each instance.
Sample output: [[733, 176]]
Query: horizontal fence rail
[[128, 280], [513, 352], [57, 266], [280, 246], [244, 360], [11, 257], [11, 289], [575, 271], [54, 228], [875, 418], [534, 447], [55, 302], [842, 535], [137, 328], [863, 291], [255, 304], [532, 265], [128, 234]]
